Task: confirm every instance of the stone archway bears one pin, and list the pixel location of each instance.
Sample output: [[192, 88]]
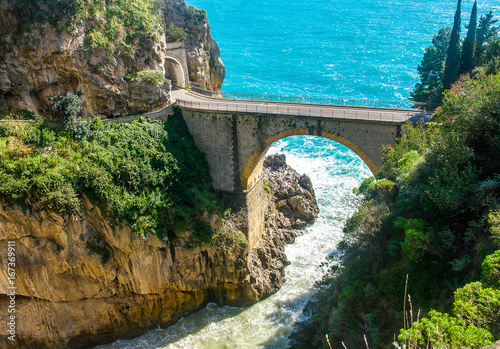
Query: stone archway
[[253, 166], [175, 72]]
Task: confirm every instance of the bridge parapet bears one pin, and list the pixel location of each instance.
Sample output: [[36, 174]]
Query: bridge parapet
[[383, 115]]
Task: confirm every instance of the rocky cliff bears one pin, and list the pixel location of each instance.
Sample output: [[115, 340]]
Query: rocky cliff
[[203, 56], [90, 281], [114, 69]]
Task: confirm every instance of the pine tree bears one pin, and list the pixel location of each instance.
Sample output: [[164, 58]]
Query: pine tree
[[453, 53], [468, 50], [487, 33], [431, 68]]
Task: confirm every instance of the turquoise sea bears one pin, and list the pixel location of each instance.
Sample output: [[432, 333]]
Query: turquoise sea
[[331, 48], [349, 49]]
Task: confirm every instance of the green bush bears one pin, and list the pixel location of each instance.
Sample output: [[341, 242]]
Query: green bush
[[491, 269], [67, 107], [199, 16], [154, 77], [175, 33], [432, 214], [442, 331], [143, 172]]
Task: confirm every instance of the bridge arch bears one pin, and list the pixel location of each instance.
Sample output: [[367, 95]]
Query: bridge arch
[[253, 166], [175, 71]]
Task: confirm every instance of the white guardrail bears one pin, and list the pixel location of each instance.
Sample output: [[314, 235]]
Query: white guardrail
[[337, 112]]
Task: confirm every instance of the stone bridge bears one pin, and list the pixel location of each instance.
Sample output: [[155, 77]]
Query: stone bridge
[[235, 135]]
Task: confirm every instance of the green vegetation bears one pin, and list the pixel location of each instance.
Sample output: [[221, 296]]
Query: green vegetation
[[433, 215], [469, 46], [451, 73], [199, 16], [154, 77], [121, 23], [58, 13], [68, 107], [16, 114], [174, 33], [126, 23], [444, 60], [145, 173]]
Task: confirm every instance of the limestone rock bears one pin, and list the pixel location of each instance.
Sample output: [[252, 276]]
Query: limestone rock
[[292, 194], [203, 55], [91, 282], [291, 205]]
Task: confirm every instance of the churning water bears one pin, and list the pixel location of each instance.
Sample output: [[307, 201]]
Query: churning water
[[326, 48]]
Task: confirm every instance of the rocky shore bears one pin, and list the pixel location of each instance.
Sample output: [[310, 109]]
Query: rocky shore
[[90, 281]]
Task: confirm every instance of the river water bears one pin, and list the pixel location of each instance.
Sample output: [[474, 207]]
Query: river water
[[326, 48]]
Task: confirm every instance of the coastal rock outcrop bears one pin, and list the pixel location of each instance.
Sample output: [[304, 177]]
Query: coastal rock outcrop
[[292, 194], [291, 205], [130, 76], [203, 55], [89, 281]]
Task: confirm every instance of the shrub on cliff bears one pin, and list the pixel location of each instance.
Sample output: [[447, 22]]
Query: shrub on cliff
[[68, 106], [144, 172], [154, 77], [121, 23], [174, 33]]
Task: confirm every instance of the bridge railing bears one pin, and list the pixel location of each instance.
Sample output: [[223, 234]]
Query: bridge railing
[[360, 102], [204, 92], [301, 110]]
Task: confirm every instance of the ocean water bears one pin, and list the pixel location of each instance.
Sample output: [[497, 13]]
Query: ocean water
[[330, 48], [326, 48]]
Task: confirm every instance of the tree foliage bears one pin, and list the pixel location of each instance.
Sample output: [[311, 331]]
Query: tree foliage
[[469, 45], [434, 217], [175, 33], [444, 60], [431, 69], [450, 74], [68, 106]]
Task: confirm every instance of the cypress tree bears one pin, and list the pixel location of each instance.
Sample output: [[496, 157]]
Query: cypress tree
[[453, 54], [468, 50]]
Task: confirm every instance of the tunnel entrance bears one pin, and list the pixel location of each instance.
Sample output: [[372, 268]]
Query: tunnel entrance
[[175, 72]]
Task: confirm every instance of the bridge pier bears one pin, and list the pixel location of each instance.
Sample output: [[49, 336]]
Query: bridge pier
[[252, 201]]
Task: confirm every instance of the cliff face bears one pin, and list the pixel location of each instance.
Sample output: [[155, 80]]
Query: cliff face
[[89, 281], [203, 56], [291, 205], [43, 60]]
